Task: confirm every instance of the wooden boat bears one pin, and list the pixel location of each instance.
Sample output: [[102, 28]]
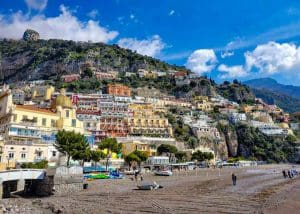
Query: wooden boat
[[163, 173]]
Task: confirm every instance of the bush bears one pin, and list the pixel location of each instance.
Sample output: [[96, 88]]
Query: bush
[[39, 165]]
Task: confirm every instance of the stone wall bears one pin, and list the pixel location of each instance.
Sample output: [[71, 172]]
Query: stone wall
[[68, 180]]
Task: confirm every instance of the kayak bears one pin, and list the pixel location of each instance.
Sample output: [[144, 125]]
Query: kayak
[[97, 176]]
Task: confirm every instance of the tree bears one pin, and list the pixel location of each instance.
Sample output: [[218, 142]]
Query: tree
[[131, 158], [167, 149], [202, 156], [111, 145], [181, 156], [73, 145]]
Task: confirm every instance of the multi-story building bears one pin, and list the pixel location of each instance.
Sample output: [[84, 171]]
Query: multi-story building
[[29, 132], [105, 76], [70, 77], [148, 92], [145, 122], [113, 121], [118, 90], [18, 96], [129, 147], [42, 93], [204, 105]]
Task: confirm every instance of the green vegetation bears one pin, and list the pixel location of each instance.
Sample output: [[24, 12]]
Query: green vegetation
[[255, 145], [183, 132], [136, 156], [73, 145], [236, 92], [181, 156], [166, 149], [111, 145], [202, 156], [39, 165], [287, 103]]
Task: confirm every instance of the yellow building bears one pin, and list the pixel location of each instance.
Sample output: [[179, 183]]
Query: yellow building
[[28, 131], [42, 93], [129, 147], [146, 122], [204, 105]]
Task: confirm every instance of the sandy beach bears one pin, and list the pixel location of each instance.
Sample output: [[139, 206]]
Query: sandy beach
[[259, 190]]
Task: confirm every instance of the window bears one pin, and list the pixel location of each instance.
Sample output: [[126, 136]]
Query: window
[[25, 117], [44, 121], [67, 113], [11, 155], [23, 155], [74, 123], [39, 154], [35, 119], [15, 118], [53, 153], [53, 123]]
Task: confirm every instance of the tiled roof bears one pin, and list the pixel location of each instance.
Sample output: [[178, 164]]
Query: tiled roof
[[35, 109]]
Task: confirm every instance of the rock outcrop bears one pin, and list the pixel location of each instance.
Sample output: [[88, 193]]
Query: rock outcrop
[[31, 35]]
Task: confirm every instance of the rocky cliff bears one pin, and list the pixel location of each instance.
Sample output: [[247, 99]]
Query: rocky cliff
[[48, 59]]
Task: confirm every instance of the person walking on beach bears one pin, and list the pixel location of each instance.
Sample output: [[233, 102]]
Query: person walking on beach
[[289, 174], [233, 177], [284, 174]]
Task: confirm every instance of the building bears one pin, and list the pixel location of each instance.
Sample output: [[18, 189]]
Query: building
[[29, 131], [269, 129], [118, 90], [129, 147], [148, 92], [113, 119], [42, 93], [145, 122], [105, 76], [18, 96], [70, 77], [204, 106], [237, 117]]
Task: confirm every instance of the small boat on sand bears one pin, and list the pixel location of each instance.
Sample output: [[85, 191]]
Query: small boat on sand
[[149, 186], [163, 173]]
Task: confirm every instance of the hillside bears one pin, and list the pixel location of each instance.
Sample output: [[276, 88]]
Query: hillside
[[287, 103], [49, 59], [273, 85]]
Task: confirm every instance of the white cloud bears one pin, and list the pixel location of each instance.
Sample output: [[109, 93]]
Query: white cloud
[[231, 71], [273, 57], [36, 4], [93, 14], [64, 26], [132, 16], [172, 12], [150, 47], [226, 54], [202, 61]]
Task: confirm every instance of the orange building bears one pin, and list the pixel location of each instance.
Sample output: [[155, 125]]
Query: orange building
[[118, 90]]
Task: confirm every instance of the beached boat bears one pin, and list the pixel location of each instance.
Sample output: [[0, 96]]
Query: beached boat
[[163, 173], [128, 172]]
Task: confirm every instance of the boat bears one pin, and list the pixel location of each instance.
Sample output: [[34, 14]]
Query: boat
[[163, 173], [149, 186], [129, 172]]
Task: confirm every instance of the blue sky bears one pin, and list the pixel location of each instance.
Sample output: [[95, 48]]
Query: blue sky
[[221, 39]]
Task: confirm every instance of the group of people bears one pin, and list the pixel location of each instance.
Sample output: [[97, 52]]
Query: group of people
[[289, 173]]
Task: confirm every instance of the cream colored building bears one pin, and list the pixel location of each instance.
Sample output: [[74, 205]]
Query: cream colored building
[[129, 147], [204, 105], [28, 131], [42, 93], [145, 122]]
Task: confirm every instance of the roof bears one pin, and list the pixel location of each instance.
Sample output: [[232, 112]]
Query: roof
[[34, 109]]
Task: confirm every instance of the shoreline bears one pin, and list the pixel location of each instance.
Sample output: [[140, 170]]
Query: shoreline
[[259, 190]]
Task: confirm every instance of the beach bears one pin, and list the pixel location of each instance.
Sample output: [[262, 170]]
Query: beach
[[259, 189]]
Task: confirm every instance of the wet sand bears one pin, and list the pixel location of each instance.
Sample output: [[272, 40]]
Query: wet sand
[[259, 190]]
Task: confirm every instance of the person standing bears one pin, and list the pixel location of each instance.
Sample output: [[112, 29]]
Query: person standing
[[289, 174], [284, 174], [234, 178]]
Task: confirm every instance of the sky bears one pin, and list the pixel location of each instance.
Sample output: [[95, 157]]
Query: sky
[[224, 40]]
